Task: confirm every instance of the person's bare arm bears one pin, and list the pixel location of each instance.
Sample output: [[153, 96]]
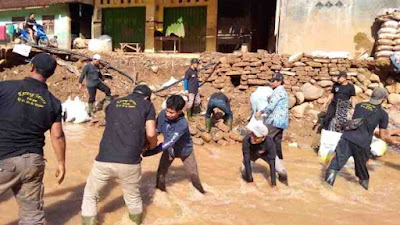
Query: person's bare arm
[[385, 136], [58, 141], [353, 102], [151, 133]]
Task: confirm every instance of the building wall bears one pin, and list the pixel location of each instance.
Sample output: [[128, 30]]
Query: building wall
[[154, 12], [62, 23], [304, 27]]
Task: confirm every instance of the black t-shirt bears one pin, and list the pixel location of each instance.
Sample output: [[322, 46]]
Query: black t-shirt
[[29, 21], [27, 111], [363, 135], [265, 149], [342, 92], [124, 136], [220, 96], [92, 74], [193, 80]]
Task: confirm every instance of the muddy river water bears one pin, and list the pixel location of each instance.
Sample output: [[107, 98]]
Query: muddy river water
[[230, 200]]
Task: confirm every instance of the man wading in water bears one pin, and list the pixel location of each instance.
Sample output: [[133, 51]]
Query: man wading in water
[[177, 143]]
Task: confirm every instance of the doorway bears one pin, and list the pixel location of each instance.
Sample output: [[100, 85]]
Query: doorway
[[246, 22]]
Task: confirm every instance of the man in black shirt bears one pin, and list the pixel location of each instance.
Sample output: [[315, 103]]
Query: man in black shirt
[[221, 101], [27, 111], [191, 86], [128, 121], [94, 81], [344, 92], [29, 23], [357, 142]]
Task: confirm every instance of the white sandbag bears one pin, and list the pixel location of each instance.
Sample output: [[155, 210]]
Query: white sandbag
[[171, 81], [330, 55], [101, 44], [296, 57], [330, 139], [396, 48], [391, 23], [75, 111], [385, 42], [396, 42], [378, 147], [384, 48], [387, 36], [387, 30], [259, 98], [384, 54]]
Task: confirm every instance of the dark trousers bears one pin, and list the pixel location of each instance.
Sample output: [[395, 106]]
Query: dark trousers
[[190, 166], [92, 91], [330, 113], [217, 103], [24, 176], [343, 151], [276, 134]]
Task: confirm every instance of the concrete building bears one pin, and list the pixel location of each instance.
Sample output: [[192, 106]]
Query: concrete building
[[65, 19], [328, 25]]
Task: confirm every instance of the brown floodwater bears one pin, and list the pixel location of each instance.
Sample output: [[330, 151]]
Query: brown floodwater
[[229, 200]]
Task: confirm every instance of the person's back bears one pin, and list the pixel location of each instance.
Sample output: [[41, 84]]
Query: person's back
[[27, 111], [220, 96], [374, 115]]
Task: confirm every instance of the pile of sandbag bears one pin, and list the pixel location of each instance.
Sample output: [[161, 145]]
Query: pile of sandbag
[[388, 42]]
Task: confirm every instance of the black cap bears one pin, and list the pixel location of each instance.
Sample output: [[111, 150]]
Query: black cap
[[277, 77], [343, 74], [193, 61], [143, 89], [44, 64]]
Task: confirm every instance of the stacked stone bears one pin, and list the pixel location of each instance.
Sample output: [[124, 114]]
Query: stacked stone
[[307, 78], [221, 135]]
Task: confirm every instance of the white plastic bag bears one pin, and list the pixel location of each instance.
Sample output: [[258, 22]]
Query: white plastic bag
[[75, 111]]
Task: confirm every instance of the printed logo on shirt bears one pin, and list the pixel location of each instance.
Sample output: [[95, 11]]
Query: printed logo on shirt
[[336, 89], [126, 103], [369, 107], [32, 99]]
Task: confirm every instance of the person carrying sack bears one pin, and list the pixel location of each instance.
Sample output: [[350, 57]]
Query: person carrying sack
[[357, 138]]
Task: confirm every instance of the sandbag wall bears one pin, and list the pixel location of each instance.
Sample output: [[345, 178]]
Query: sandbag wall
[[388, 42]]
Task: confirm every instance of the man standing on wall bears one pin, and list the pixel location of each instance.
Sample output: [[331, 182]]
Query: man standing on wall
[[27, 111], [191, 86], [94, 81], [343, 95]]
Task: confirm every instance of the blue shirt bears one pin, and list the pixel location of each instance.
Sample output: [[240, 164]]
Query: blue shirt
[[177, 139], [395, 64], [278, 108]]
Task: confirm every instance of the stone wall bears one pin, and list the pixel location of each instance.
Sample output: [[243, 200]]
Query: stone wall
[[307, 78]]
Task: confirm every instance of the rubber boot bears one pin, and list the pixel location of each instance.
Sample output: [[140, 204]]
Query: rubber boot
[[196, 110], [91, 109], [364, 184], [137, 219], [283, 178], [89, 220], [190, 115], [208, 124], [229, 123], [330, 177]]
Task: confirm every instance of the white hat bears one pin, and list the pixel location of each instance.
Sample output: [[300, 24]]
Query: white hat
[[96, 57], [257, 127]]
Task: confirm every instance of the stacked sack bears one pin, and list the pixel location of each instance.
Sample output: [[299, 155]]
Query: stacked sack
[[388, 42]]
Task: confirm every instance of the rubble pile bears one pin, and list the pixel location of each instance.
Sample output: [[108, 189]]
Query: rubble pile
[[388, 41]]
